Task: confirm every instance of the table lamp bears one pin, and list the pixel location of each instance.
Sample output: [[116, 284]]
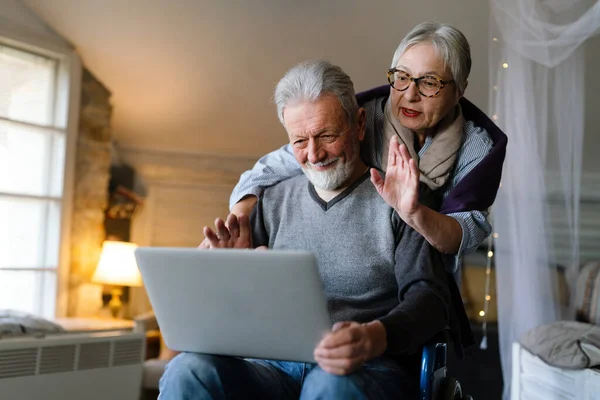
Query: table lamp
[[117, 266]]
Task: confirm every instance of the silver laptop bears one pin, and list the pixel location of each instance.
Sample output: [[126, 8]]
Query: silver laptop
[[249, 303]]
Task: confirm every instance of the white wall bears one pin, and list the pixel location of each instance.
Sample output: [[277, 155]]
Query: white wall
[[265, 40]]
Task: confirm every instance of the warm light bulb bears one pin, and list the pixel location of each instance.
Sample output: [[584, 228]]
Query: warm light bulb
[[496, 235], [490, 254], [481, 313], [488, 297], [505, 65], [495, 117]]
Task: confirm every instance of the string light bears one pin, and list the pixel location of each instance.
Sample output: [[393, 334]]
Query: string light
[[490, 254], [488, 276]]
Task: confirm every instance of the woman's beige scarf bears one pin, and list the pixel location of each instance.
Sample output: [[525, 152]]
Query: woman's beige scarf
[[437, 163]]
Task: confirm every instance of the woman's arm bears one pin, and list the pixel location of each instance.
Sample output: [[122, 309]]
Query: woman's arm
[[400, 190], [277, 166], [441, 231], [452, 233]]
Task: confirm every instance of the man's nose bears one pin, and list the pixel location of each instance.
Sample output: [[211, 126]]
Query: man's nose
[[412, 92], [315, 151]]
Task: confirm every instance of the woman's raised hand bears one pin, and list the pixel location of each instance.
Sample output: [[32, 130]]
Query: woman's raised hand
[[400, 188]]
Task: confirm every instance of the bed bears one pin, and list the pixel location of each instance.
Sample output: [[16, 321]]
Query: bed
[[533, 379]]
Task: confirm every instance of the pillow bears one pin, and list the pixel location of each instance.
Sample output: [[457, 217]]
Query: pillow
[[17, 323], [565, 344]]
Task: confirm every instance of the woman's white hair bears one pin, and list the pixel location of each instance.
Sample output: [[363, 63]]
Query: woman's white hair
[[309, 80], [449, 43]]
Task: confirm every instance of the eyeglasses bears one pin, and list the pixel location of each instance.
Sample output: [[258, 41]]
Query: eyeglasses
[[428, 85]]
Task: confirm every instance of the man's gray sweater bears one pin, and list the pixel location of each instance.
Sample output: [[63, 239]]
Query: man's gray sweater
[[372, 265]]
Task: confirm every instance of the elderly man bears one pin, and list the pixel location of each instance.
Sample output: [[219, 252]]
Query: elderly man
[[385, 286]]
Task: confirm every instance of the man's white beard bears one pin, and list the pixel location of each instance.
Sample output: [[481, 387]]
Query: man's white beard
[[332, 178]]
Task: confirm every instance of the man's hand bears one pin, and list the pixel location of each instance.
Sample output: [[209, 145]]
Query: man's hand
[[400, 189], [242, 208], [235, 235], [349, 345]]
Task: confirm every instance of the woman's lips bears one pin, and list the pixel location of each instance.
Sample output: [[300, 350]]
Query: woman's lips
[[407, 112]]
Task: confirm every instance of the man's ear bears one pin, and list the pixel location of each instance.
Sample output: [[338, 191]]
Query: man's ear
[[361, 118]]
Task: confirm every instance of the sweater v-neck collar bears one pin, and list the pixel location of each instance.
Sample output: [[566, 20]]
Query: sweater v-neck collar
[[326, 205]]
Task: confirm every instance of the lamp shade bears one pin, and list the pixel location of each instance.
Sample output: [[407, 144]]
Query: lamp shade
[[117, 265]]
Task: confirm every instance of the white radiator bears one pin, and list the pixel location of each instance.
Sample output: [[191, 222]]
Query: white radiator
[[96, 366]]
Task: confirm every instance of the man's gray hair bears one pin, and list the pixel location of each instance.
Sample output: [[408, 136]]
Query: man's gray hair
[[449, 43], [309, 80]]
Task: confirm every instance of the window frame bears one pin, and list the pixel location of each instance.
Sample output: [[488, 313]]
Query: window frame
[[66, 117]]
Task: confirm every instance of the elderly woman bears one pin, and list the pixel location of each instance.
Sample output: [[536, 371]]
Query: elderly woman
[[419, 133]]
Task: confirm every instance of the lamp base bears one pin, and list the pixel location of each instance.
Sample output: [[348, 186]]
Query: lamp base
[[115, 304]]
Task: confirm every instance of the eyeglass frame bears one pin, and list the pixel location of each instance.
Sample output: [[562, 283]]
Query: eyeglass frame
[[442, 82]]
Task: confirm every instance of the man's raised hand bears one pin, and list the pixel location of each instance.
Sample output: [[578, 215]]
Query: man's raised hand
[[235, 234]]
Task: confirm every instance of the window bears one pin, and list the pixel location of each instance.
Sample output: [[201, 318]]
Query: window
[[32, 163]]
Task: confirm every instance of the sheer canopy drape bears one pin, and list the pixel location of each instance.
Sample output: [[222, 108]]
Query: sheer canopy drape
[[537, 88]]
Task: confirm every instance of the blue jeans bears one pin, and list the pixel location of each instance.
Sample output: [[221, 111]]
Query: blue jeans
[[202, 376]]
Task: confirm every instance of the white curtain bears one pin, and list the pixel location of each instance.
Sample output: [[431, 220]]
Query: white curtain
[[537, 98]]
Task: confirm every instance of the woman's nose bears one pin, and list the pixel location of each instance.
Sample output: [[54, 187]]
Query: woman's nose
[[412, 92]]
